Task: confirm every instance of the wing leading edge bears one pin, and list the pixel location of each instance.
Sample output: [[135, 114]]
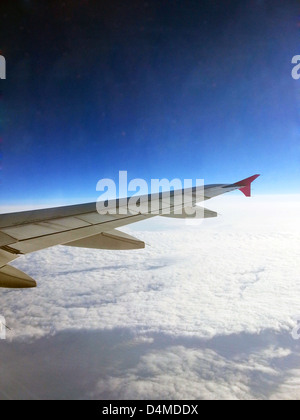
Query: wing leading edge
[[82, 226]]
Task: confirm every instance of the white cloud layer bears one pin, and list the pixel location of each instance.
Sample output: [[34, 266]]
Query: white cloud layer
[[206, 311]]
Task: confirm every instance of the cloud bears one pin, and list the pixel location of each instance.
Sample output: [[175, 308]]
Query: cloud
[[120, 364], [235, 276], [185, 373]]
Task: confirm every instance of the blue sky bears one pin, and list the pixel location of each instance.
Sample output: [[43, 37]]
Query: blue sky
[[168, 89]]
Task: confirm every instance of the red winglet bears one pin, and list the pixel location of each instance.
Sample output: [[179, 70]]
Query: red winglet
[[245, 185]]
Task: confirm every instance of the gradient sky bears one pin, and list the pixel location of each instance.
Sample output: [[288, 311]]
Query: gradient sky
[[183, 89]]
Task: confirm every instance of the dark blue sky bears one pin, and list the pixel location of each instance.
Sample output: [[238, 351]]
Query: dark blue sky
[[188, 89]]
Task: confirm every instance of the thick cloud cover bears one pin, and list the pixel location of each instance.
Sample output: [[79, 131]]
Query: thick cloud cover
[[206, 311]]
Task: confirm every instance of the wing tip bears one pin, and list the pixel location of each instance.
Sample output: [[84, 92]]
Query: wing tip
[[245, 185]]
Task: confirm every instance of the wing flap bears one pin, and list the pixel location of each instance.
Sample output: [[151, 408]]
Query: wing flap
[[113, 240], [42, 242]]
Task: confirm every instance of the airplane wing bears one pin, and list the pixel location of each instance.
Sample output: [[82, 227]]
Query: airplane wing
[[84, 226]]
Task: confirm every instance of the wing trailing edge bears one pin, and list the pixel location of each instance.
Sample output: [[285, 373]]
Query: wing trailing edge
[[112, 240]]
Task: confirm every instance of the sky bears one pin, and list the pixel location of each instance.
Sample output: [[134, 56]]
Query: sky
[[166, 89], [160, 89]]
